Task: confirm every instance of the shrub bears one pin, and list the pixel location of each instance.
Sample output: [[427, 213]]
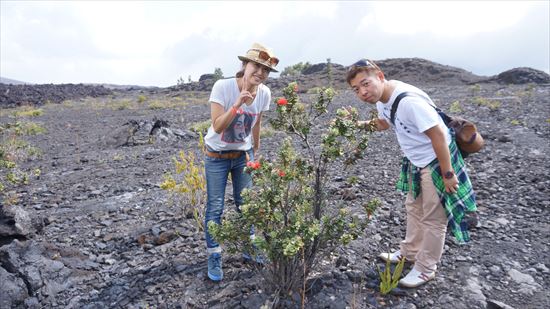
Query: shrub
[[491, 104], [29, 112], [201, 127], [187, 185], [296, 69], [141, 98], [455, 107], [475, 89], [267, 132], [288, 205], [14, 150], [121, 105]]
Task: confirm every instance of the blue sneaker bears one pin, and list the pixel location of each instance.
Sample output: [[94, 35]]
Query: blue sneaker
[[215, 272]]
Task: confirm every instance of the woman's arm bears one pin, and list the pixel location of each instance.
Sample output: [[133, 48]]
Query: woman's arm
[[256, 134], [221, 119]]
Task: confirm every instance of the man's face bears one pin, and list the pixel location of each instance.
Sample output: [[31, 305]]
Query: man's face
[[367, 87]]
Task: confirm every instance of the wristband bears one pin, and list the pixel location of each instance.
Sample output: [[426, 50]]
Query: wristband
[[233, 111]]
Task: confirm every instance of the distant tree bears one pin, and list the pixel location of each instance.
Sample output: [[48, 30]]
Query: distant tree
[[296, 69], [180, 81], [189, 79], [218, 74]]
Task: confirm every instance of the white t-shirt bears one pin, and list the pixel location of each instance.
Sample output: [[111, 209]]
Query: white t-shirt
[[414, 116], [238, 136]]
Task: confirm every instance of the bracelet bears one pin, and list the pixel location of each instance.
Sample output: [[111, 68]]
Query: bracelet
[[233, 111]]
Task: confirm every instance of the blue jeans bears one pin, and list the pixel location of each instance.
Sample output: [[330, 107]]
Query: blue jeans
[[217, 171]]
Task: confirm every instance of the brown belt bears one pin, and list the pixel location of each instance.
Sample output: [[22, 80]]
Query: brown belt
[[228, 155]]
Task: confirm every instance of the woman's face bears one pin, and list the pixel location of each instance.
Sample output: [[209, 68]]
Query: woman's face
[[255, 73]]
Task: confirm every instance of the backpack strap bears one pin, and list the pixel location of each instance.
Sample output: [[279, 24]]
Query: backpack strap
[[396, 104], [446, 119]]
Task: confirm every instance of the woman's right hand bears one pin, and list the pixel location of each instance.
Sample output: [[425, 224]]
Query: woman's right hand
[[245, 97]]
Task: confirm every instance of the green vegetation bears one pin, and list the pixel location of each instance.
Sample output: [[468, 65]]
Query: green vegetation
[[13, 151], [121, 105], [296, 69], [475, 89], [218, 74], [388, 282], [267, 131], [201, 127], [20, 128], [187, 185], [141, 98], [28, 112], [289, 206], [491, 104], [456, 108]]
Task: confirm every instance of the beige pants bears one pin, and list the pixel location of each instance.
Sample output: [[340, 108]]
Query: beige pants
[[426, 226]]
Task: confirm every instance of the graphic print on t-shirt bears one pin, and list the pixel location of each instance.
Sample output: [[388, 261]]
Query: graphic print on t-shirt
[[239, 129]]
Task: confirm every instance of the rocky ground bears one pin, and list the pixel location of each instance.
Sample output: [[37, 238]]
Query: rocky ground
[[94, 230]]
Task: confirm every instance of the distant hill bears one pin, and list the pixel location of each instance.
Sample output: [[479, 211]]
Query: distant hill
[[121, 87], [9, 81], [416, 71]]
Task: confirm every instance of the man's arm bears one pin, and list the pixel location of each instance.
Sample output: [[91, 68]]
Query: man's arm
[[437, 135], [380, 124]]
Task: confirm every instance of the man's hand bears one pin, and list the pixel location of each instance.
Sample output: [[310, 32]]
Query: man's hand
[[451, 184]]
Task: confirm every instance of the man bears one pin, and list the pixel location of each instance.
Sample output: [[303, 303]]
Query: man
[[433, 172]]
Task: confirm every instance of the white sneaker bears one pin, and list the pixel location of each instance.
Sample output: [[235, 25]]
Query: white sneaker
[[393, 257], [415, 278]]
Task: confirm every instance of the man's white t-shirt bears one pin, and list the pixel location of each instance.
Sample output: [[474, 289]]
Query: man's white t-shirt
[[414, 116], [238, 136]]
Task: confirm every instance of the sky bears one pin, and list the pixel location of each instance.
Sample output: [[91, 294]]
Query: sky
[[154, 43]]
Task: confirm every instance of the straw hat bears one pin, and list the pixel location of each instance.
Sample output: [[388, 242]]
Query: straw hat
[[262, 55]]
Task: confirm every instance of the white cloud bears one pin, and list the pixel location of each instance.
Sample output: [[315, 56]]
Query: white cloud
[[445, 18], [156, 42]]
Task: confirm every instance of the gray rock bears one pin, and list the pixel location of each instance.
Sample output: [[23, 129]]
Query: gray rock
[[32, 262], [13, 291], [17, 222], [542, 267], [519, 277], [494, 304], [472, 284]]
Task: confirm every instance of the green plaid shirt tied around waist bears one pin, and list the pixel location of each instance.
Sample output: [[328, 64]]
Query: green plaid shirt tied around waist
[[455, 204]]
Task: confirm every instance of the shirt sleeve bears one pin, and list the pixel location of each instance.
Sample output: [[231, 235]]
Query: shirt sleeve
[[380, 110], [419, 112], [217, 93]]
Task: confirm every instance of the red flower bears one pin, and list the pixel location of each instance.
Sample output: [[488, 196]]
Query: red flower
[[253, 165], [282, 101], [281, 173]]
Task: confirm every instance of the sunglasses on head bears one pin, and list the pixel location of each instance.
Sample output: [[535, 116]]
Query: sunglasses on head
[[362, 64], [264, 56]]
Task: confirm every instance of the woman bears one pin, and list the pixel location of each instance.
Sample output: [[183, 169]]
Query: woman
[[236, 107]]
